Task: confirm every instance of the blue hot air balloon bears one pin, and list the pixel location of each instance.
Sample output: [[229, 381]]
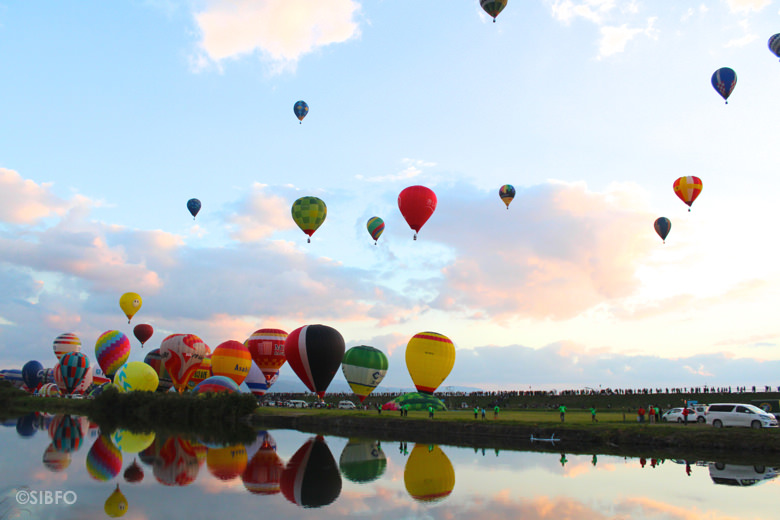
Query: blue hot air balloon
[[194, 206], [724, 80], [662, 226], [32, 374], [301, 109], [774, 44]]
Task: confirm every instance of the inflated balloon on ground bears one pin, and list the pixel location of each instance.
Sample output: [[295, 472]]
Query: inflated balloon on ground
[[267, 349], [231, 359], [181, 355], [429, 358], [364, 368], [314, 352], [136, 376]]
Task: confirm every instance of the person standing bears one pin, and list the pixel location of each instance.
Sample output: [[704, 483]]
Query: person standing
[[483, 414], [562, 410], [476, 411], [430, 411], [640, 415], [651, 414], [593, 414], [495, 412], [685, 413]]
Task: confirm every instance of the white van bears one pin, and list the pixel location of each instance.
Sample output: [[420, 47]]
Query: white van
[[297, 404], [347, 405], [735, 414]]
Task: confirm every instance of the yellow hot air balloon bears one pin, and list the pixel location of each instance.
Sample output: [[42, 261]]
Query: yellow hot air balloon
[[136, 376], [428, 475], [130, 303], [116, 504], [131, 442], [429, 358], [227, 463]]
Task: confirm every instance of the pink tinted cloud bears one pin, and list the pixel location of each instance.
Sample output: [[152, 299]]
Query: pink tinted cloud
[[559, 251], [260, 215], [23, 201]]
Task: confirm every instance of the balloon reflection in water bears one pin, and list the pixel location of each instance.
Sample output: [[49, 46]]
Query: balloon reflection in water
[[104, 460], [132, 442], [226, 463], [55, 460], [428, 475], [134, 473], [263, 474], [175, 462], [311, 477], [66, 432], [362, 461], [116, 504], [25, 425]]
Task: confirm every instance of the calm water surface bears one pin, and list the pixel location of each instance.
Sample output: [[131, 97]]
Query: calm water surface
[[287, 474]]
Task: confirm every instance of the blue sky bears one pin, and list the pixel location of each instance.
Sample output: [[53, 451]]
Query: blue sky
[[116, 114]]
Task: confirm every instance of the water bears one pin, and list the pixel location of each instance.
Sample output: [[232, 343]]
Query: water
[[288, 474]]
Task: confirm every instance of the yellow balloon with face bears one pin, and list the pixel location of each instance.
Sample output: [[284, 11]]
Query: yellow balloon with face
[[130, 303]]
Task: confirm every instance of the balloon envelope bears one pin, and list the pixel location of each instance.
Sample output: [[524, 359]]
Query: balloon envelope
[[112, 349], [130, 303], [226, 463], [216, 384], [267, 349], [300, 108], [143, 332], [493, 7], [256, 381], [662, 226], [203, 371], [65, 343], [104, 460], [774, 44], [364, 368], [309, 213], [375, 226], [231, 359], [315, 353], [116, 504], [417, 204], [193, 206], [688, 188], [136, 376], [32, 374], [263, 474], [507, 193], [428, 474], [73, 368], [362, 461], [311, 477], [182, 354], [429, 358], [723, 81], [154, 360]]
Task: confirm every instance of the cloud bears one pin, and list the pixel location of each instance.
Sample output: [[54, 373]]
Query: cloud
[[260, 215], [743, 40], [562, 250], [614, 39], [281, 31], [412, 168], [23, 201], [592, 10], [745, 6]]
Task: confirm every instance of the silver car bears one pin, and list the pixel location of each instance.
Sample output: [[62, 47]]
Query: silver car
[[736, 414]]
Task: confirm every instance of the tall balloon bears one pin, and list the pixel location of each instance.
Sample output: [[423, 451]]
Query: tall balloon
[[493, 7], [662, 226], [364, 368], [300, 108], [315, 353], [32, 374], [724, 80], [507, 193], [309, 213], [143, 332], [231, 359], [774, 45], [130, 303], [193, 206], [375, 227], [112, 349], [104, 460], [429, 358], [311, 477], [688, 188], [267, 349], [65, 343], [428, 474], [73, 367], [417, 204], [182, 354]]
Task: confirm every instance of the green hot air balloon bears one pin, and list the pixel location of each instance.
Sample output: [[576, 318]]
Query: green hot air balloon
[[309, 213], [364, 368]]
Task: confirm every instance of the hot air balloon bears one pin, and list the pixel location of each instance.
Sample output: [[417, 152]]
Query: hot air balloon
[[774, 45], [417, 204], [133, 473], [49, 390], [112, 349], [362, 461], [73, 368], [311, 477], [263, 474], [154, 360], [132, 442], [724, 80], [226, 463], [429, 359], [203, 371], [136, 376], [193, 206], [182, 354], [364, 368], [130, 303], [25, 425], [309, 213], [231, 359], [215, 385], [86, 382], [32, 374], [143, 332], [375, 227], [116, 504], [688, 188], [104, 460], [56, 460], [301, 109], [267, 349], [176, 463], [65, 343], [66, 433], [428, 475], [662, 226], [493, 7], [507, 193], [256, 381], [315, 353]]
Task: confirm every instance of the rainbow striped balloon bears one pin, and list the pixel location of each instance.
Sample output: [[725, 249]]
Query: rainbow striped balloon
[[65, 343], [104, 460], [112, 349], [216, 384]]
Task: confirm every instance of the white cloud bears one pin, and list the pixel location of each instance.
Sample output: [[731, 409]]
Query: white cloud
[[23, 201], [743, 6], [744, 40], [282, 31], [412, 168], [614, 39]]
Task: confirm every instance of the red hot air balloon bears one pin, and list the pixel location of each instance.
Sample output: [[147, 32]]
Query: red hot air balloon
[[311, 477], [315, 353], [417, 204], [143, 332], [267, 349], [181, 355]]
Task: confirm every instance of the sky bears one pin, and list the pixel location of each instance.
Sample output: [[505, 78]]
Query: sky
[[114, 115]]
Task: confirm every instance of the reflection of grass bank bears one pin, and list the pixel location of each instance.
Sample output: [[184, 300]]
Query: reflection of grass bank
[[212, 417]]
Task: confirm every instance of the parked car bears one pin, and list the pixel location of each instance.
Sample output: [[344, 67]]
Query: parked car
[[295, 403], [347, 405], [675, 415], [736, 414], [738, 475]]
